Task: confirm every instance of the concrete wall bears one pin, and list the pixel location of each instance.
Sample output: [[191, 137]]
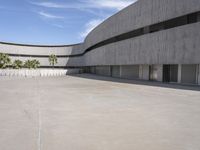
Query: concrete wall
[[156, 73], [144, 72], [103, 70], [173, 46], [189, 74], [179, 45], [41, 53], [198, 74], [116, 71], [36, 50], [140, 14], [130, 71]]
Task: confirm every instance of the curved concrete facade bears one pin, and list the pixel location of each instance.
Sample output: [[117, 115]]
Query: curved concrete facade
[[150, 39], [41, 53]]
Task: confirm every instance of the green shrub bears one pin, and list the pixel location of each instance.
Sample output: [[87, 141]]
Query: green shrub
[[17, 64], [32, 64], [53, 60], [5, 61]]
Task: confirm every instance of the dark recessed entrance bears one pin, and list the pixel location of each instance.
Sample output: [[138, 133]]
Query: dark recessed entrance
[[170, 73]]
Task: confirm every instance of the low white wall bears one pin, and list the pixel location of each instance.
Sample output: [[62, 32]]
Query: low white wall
[[38, 72]]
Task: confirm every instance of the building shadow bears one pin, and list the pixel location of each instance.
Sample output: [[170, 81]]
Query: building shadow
[[138, 82]]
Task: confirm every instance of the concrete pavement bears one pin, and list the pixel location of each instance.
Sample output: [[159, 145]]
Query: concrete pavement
[[78, 113]]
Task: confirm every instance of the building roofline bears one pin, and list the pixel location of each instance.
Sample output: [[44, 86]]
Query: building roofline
[[34, 45]]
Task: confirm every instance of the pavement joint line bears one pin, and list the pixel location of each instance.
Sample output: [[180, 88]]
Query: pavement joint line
[[39, 115]]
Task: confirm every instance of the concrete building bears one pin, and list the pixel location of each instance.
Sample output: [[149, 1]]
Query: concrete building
[[155, 40]]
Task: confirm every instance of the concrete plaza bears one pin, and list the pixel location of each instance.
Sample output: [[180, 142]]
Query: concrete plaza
[[89, 112]]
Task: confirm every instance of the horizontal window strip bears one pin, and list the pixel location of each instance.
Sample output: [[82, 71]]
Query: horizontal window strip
[[38, 56]]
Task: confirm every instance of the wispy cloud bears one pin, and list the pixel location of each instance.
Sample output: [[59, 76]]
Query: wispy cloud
[[110, 4], [58, 26], [90, 26], [88, 4], [49, 16]]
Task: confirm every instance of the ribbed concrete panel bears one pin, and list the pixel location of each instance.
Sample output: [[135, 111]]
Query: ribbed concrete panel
[[43, 52], [144, 72], [36, 50], [115, 71], [189, 74], [173, 46], [156, 73], [141, 14], [130, 72], [103, 70]]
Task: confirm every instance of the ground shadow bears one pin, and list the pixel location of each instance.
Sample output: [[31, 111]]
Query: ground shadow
[[138, 82]]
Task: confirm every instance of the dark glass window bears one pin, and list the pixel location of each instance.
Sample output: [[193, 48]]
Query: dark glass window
[[176, 22], [198, 16], [192, 18], [156, 27]]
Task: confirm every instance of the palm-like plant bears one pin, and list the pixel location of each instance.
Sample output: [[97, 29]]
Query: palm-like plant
[[5, 60], [53, 60], [32, 64], [17, 64], [35, 63], [28, 64]]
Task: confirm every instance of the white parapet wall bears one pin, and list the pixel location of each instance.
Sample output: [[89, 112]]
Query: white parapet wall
[[38, 72]]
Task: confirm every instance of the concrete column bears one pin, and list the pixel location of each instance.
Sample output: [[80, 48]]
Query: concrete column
[[120, 71], [179, 73], [198, 74], [141, 72], [144, 72], [159, 73]]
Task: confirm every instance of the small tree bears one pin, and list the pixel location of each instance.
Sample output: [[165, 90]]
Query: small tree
[[5, 61], [28, 64], [35, 64], [17, 64], [32, 64], [53, 60]]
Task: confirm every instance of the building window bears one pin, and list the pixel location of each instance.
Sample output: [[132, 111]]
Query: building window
[[176, 22], [192, 18], [198, 16], [156, 27]]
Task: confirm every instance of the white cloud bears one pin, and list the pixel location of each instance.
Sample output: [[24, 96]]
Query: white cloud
[[58, 26], [112, 4], [49, 16], [90, 26], [88, 4]]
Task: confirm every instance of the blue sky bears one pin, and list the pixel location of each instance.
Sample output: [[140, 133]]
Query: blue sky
[[53, 21]]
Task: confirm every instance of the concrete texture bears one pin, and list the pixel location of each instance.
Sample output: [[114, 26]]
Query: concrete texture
[[103, 70], [140, 14], [144, 72], [43, 52], [78, 113], [178, 45], [198, 74], [173, 46], [130, 72], [189, 73]]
